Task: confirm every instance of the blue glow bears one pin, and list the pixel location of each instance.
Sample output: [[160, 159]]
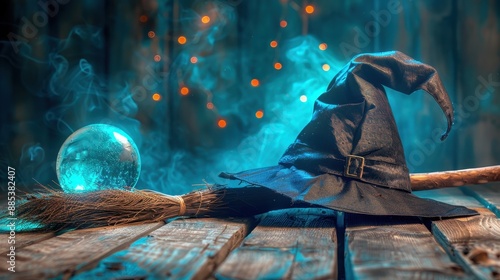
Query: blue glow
[[98, 157], [107, 74]]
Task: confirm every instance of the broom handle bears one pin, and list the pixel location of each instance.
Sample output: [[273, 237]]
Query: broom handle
[[446, 179]]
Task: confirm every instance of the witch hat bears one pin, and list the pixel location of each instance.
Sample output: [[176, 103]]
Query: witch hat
[[349, 157]]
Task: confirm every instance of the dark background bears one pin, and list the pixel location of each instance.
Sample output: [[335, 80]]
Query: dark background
[[66, 64]]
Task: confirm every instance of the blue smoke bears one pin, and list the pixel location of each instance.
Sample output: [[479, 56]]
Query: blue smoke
[[285, 115], [71, 77]]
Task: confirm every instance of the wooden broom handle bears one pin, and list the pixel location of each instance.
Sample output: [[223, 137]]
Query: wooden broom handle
[[457, 178]]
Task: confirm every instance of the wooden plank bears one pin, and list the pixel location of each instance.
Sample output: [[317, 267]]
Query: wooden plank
[[488, 195], [473, 242], [287, 244], [382, 247], [465, 239], [73, 251], [182, 249], [394, 248], [22, 239]]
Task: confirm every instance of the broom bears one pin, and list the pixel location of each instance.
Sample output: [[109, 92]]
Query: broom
[[56, 210]]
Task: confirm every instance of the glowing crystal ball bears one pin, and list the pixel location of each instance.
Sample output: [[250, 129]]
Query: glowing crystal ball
[[98, 157]]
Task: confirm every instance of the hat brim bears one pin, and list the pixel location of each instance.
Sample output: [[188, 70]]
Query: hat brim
[[345, 194]]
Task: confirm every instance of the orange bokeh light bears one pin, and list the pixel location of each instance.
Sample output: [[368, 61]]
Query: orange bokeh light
[[156, 97], [157, 58], [151, 34], [182, 40], [278, 66], [222, 123], [322, 46], [205, 19], [193, 59], [309, 9], [143, 18], [255, 82], [283, 23], [259, 114], [326, 67], [184, 91], [210, 105], [273, 44]]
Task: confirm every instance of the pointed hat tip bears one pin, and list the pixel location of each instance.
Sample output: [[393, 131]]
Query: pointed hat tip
[[448, 129]]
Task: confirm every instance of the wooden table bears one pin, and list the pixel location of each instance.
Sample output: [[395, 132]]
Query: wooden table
[[290, 244]]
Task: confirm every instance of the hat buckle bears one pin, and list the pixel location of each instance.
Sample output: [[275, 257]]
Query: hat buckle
[[354, 167]]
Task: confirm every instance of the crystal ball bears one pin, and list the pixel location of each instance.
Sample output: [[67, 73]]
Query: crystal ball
[[98, 157]]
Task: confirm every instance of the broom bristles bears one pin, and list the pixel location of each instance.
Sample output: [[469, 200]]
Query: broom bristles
[[59, 211], [56, 210]]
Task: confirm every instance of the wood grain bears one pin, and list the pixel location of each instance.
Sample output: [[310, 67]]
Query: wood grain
[[23, 239], [287, 244], [473, 242], [182, 249], [470, 234], [394, 248], [488, 195], [73, 251], [455, 178]]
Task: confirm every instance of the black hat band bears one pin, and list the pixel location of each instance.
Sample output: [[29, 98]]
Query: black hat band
[[353, 166]]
